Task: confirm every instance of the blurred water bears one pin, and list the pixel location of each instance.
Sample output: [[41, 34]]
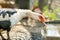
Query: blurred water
[[53, 30]]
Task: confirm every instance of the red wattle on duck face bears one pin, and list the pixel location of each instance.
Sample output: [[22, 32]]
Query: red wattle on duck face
[[41, 18]]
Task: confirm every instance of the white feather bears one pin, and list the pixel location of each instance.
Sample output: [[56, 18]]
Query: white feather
[[18, 16], [35, 15], [21, 14]]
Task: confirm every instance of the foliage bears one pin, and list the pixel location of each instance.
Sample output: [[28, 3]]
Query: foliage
[[35, 3], [50, 15]]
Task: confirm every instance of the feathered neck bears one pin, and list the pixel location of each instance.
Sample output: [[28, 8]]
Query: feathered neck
[[18, 16]]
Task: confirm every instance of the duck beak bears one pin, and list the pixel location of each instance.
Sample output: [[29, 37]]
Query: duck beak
[[42, 20]]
